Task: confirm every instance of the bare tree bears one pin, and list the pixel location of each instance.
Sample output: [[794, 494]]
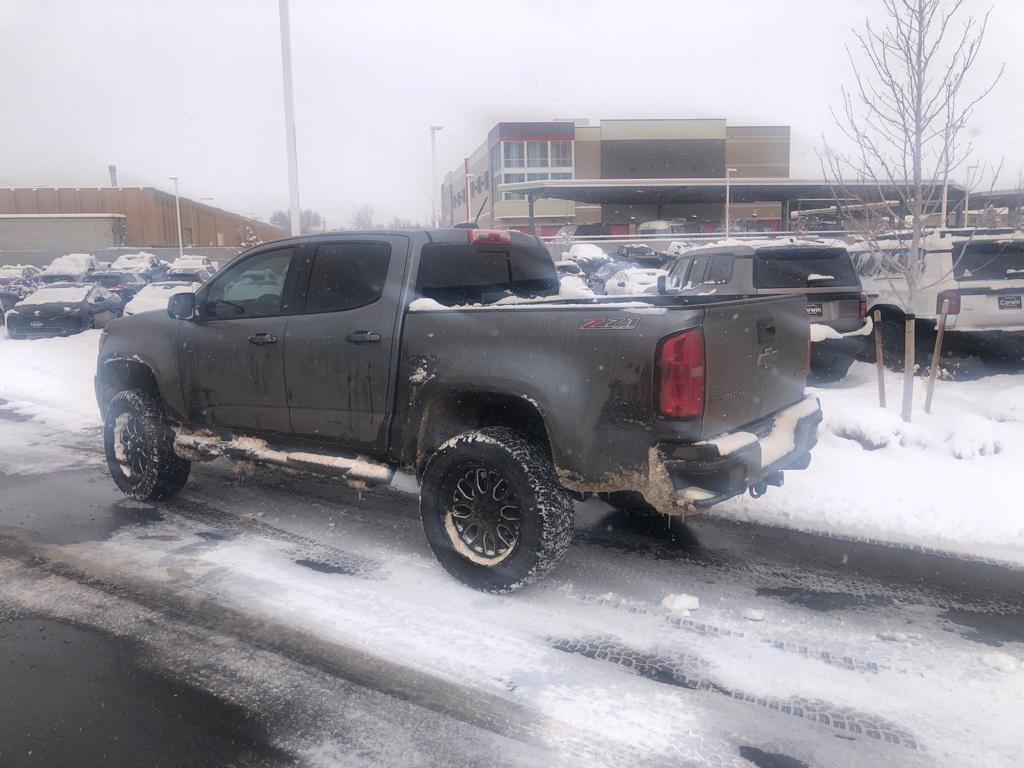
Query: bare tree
[[904, 116], [309, 221], [362, 217]]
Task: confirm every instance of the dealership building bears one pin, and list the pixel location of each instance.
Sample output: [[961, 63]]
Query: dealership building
[[555, 153]]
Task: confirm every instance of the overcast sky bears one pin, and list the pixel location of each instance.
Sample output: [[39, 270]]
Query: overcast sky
[[193, 87]]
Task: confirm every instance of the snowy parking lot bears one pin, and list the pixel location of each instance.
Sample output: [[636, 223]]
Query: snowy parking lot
[[745, 636]]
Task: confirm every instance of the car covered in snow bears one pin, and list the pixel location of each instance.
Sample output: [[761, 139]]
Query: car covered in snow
[[820, 270], [189, 274], [123, 283], [62, 309], [155, 296], [633, 281], [452, 354], [71, 267], [16, 282], [144, 264]]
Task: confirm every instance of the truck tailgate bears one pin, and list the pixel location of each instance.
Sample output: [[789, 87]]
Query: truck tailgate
[[755, 357]]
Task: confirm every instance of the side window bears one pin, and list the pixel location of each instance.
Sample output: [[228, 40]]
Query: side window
[[679, 269], [720, 271], [347, 275], [253, 287], [700, 265]]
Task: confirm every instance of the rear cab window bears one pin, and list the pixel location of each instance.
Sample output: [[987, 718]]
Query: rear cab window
[[466, 273], [989, 260], [804, 268]]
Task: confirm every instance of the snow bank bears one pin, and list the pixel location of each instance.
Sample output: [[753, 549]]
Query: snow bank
[[51, 379], [681, 603], [942, 482]]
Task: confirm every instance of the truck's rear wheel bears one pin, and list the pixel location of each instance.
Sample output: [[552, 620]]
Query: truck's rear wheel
[[140, 448], [493, 511]]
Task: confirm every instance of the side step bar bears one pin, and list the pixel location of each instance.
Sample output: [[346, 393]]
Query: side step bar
[[205, 446]]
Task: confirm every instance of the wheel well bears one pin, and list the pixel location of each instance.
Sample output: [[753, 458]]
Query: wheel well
[[452, 413], [120, 375], [889, 311]]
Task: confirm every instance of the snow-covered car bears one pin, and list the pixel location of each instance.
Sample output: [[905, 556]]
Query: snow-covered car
[[71, 267], [156, 295], [16, 282], [146, 265], [62, 309], [188, 274], [123, 283], [633, 281], [191, 262]]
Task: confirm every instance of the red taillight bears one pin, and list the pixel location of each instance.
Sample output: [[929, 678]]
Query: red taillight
[[863, 306], [954, 301], [496, 236], [681, 375]]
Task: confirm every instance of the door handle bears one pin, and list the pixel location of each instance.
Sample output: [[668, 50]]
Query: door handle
[[262, 338], [363, 337]]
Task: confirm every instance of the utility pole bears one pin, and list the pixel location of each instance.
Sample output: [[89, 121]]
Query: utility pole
[[177, 207], [289, 121], [434, 222], [728, 173]]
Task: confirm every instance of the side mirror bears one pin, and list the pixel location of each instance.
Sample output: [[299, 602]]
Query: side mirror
[[662, 281], [182, 306]]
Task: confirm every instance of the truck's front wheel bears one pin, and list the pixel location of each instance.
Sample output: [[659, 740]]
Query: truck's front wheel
[[493, 510], [140, 448]]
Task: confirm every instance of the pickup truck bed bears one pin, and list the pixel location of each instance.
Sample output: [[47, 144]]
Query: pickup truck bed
[[450, 353]]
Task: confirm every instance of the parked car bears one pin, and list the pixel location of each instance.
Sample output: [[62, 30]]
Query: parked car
[[979, 272], [62, 309], [820, 270], [16, 282], [673, 227], [597, 279], [633, 282], [122, 283], [191, 261], [188, 275], [449, 353], [156, 295], [70, 268], [144, 264]]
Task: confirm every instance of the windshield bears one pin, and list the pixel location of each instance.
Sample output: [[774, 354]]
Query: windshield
[[58, 293], [803, 269]]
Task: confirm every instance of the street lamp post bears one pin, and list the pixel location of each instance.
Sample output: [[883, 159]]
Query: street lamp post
[[728, 174], [177, 208], [289, 120], [433, 175]]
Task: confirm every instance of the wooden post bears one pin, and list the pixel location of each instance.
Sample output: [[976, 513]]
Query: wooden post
[[879, 359], [935, 356], [908, 368]]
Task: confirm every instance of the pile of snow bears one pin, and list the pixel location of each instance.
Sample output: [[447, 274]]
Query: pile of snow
[[71, 264], [51, 379], [681, 603], [588, 256], [941, 482]]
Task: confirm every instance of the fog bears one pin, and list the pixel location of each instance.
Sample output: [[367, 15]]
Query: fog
[[193, 88]]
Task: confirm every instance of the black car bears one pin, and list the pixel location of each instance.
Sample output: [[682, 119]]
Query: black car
[[597, 279], [62, 309], [123, 284], [16, 282]]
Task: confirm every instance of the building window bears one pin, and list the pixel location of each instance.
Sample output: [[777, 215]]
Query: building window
[[514, 157], [537, 154], [561, 154], [561, 175], [512, 178], [536, 177]]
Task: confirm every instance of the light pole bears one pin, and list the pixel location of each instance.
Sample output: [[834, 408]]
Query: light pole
[[468, 204], [967, 193], [728, 174], [289, 120], [433, 174], [177, 208]]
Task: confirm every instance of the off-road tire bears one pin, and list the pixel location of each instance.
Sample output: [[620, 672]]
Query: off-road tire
[[159, 472], [546, 510]]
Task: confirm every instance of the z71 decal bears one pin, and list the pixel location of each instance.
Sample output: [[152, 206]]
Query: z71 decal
[[611, 324]]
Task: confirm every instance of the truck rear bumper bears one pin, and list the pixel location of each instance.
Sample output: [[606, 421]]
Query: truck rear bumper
[[706, 473]]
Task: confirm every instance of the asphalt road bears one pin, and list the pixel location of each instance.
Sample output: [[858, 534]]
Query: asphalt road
[[264, 620]]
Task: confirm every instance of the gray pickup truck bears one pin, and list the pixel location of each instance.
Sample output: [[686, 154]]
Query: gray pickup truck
[[449, 353]]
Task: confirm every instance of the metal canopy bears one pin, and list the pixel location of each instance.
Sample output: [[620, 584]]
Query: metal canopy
[[654, 191]]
